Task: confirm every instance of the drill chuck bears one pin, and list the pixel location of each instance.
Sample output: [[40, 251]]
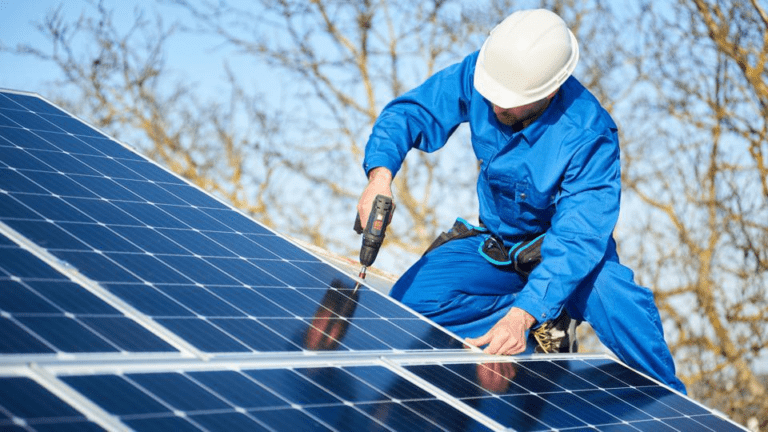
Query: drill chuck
[[369, 251]]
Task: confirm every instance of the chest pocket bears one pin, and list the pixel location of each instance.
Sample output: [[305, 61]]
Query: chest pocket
[[526, 196], [519, 204]]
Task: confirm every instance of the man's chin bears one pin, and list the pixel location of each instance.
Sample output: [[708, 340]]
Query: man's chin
[[506, 120]]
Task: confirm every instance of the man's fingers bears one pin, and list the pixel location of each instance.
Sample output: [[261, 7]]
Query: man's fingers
[[505, 345], [492, 339], [480, 341], [497, 343], [379, 183], [501, 343], [512, 347]]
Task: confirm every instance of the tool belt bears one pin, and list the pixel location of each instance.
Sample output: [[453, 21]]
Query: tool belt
[[524, 255]]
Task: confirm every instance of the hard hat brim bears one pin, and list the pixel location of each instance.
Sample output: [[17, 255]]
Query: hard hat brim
[[505, 98]]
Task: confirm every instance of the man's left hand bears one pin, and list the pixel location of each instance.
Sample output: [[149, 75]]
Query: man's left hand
[[507, 336]]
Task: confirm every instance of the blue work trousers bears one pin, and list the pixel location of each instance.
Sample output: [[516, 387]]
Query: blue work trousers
[[457, 288]]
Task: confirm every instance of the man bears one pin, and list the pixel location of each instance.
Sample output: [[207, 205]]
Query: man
[[549, 164]]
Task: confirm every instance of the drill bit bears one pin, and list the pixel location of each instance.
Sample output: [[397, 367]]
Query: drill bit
[[361, 276]]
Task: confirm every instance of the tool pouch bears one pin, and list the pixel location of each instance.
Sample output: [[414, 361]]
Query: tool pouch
[[461, 229], [524, 255], [527, 255]]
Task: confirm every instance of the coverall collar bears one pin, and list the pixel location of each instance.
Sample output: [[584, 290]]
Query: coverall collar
[[536, 129]]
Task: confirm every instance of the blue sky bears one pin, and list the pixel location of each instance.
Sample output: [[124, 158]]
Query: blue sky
[[189, 56]]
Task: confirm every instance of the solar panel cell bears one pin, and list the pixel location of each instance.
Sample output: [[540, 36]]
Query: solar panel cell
[[288, 419], [204, 335], [149, 240], [116, 395], [108, 189], [96, 267], [428, 333], [614, 405], [709, 421], [445, 416], [99, 238], [150, 192], [195, 218], [60, 184], [12, 208], [340, 417], [148, 268], [109, 148], [149, 300], [14, 136], [196, 243], [31, 103], [66, 334], [246, 272], [17, 340], [11, 181], [16, 298], [161, 424], [178, 391], [241, 224], [59, 426], [24, 399], [20, 263], [250, 301], [70, 297], [240, 245], [53, 208], [58, 141], [31, 120], [292, 334], [292, 386], [200, 300], [280, 247], [21, 160], [126, 334], [5, 121], [198, 270], [189, 194]]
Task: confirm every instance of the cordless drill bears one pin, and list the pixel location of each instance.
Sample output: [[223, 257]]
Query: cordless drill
[[373, 234]]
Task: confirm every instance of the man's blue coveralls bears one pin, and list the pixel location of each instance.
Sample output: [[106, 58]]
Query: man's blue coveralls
[[559, 175]]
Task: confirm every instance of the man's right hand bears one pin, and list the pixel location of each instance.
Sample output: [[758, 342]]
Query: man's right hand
[[379, 183]]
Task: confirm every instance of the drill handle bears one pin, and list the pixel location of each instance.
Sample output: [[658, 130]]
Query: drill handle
[[378, 218], [358, 225], [373, 234]]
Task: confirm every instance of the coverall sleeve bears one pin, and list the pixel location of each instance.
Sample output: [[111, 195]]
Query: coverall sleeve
[[423, 118], [577, 241]]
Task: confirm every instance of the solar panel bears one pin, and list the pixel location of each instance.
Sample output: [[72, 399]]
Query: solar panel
[[132, 300]]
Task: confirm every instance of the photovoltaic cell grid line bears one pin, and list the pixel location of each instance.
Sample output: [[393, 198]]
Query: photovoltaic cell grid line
[[72, 198], [212, 276]]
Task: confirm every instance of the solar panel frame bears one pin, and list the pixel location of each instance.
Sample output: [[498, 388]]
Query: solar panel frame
[[136, 237]]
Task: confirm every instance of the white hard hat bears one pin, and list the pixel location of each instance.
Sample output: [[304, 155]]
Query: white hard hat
[[526, 57]]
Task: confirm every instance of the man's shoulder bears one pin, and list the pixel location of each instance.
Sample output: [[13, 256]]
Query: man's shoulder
[[582, 108]]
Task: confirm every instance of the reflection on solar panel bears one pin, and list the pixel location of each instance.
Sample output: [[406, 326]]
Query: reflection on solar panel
[[132, 300]]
